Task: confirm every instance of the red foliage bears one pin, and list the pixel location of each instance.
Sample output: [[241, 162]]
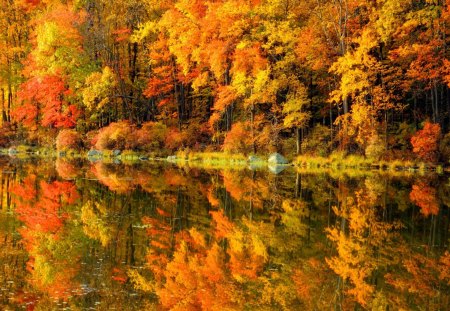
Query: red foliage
[[46, 95], [425, 141], [38, 206]]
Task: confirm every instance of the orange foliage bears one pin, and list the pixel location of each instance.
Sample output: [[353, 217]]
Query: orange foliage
[[118, 135], [421, 275], [223, 226], [68, 139], [174, 139], [425, 141], [424, 196], [249, 60], [113, 180], [445, 267], [151, 136], [39, 205], [238, 139]]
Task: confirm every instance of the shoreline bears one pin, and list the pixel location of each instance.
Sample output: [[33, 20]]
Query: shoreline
[[334, 162]]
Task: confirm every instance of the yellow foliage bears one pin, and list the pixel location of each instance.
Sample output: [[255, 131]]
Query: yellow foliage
[[93, 225], [98, 88], [293, 108], [294, 212]]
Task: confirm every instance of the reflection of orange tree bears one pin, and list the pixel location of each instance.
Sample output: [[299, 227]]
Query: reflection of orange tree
[[312, 280], [421, 278], [246, 188], [40, 207], [203, 274], [424, 196], [110, 177], [68, 169]]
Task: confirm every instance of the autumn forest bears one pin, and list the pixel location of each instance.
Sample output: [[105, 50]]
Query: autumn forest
[[297, 77], [224, 155]]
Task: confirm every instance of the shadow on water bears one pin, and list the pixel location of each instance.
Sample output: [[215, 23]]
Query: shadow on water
[[80, 236]]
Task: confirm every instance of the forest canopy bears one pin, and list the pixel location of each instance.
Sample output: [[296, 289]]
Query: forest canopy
[[294, 76]]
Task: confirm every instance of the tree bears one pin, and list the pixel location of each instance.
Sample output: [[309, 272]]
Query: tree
[[295, 116], [426, 141]]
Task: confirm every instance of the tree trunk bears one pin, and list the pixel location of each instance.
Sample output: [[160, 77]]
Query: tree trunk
[[299, 140], [4, 117], [252, 120]]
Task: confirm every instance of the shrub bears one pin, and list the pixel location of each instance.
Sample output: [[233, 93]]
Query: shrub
[[174, 139], [376, 148], [68, 139], [151, 136], [196, 135], [118, 135], [402, 136], [425, 141], [6, 134], [444, 148]]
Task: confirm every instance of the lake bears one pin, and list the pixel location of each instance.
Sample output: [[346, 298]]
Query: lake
[[153, 236]]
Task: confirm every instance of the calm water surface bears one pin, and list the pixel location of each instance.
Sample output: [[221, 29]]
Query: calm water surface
[[95, 236]]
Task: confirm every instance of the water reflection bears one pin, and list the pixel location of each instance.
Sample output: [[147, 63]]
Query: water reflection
[[78, 235]]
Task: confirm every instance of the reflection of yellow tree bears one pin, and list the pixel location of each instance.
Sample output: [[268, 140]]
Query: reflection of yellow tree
[[294, 212], [362, 248], [93, 216]]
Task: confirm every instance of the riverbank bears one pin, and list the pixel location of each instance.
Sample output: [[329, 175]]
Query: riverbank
[[336, 161]]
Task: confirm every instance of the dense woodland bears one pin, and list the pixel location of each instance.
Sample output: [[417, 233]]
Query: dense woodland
[[250, 76]]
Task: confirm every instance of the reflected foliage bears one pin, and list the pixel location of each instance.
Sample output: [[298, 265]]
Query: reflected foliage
[[146, 236]]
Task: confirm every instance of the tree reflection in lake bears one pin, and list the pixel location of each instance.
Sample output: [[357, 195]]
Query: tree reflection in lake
[[78, 235]]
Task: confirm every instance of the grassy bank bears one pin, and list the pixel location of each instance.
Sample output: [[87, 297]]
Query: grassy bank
[[336, 161], [340, 161]]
